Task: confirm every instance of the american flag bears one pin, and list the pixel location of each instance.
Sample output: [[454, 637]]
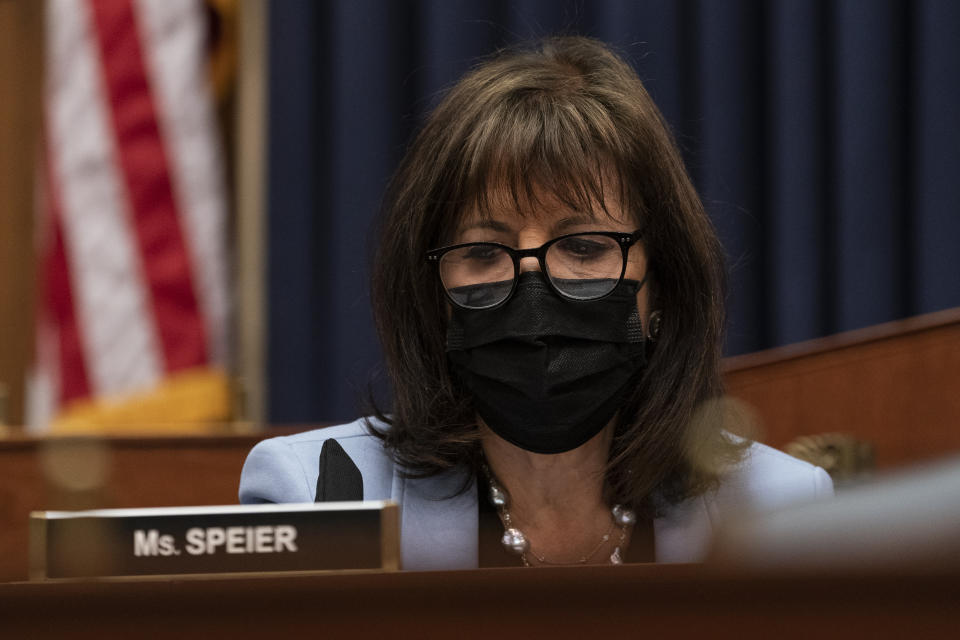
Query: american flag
[[133, 313]]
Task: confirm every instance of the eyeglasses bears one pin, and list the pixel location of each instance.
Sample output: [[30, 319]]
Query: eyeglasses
[[578, 266]]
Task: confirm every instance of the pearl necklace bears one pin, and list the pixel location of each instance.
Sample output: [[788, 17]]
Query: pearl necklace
[[516, 542]]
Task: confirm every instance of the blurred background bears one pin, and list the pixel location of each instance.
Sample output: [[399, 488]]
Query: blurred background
[[187, 187]]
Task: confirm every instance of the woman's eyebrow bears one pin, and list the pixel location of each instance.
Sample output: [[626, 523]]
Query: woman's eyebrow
[[493, 225], [575, 221]]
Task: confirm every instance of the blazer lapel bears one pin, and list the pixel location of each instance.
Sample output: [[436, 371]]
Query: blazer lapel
[[438, 530]]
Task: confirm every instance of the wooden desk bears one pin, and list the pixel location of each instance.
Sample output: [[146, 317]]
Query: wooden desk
[[668, 601]]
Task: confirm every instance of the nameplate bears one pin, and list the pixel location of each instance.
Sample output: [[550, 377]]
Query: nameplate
[[329, 536]]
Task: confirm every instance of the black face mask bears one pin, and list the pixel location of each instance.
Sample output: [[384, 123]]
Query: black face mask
[[547, 374]]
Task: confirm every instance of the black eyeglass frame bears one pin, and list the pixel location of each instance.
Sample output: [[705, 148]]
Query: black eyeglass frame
[[623, 239]]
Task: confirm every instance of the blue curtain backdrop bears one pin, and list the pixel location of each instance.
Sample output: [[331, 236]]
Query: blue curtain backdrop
[[824, 138]]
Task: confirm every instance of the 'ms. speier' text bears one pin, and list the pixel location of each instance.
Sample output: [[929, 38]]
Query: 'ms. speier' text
[[210, 540]]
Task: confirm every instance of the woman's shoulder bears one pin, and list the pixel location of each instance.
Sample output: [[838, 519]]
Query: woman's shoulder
[[764, 480], [361, 428], [767, 479], [286, 468], [354, 437]]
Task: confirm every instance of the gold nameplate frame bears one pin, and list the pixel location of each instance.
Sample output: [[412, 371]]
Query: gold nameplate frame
[[184, 541]]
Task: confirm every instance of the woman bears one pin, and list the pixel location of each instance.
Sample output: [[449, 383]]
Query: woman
[[549, 294]]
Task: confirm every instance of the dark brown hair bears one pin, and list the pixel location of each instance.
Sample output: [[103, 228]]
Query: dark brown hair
[[561, 117]]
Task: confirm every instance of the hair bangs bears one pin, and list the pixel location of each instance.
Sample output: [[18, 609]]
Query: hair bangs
[[536, 146]]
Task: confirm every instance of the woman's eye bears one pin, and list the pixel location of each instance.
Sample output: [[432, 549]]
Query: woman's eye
[[482, 252], [582, 247]]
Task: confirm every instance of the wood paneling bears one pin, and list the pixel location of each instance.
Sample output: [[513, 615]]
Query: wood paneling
[[21, 38], [895, 385], [111, 472]]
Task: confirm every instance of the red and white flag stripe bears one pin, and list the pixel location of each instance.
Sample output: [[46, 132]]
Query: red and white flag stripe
[[134, 261]]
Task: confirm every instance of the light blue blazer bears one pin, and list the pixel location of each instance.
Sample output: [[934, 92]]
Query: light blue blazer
[[438, 531]]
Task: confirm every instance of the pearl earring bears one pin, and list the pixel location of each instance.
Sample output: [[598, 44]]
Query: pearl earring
[[656, 319]]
